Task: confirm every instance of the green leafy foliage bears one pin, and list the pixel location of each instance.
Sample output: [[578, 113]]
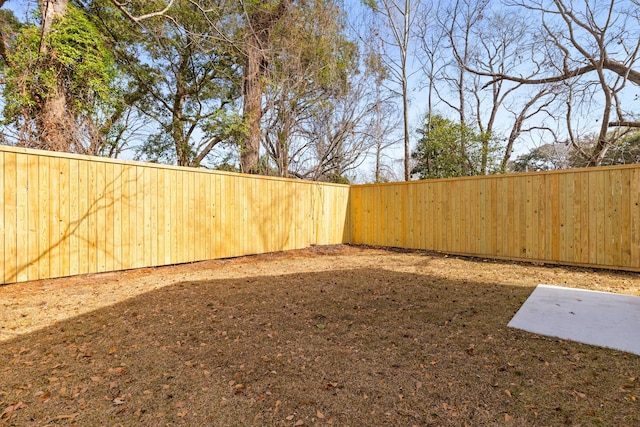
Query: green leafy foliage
[[447, 149], [75, 55], [188, 77]]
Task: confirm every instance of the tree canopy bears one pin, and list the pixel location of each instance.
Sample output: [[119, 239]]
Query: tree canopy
[[326, 90]]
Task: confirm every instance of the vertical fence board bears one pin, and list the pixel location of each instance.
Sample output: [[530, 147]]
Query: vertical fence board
[[56, 194], [22, 218], [3, 236], [65, 214], [615, 213], [33, 208], [74, 217], [109, 217], [625, 217], [10, 217], [560, 232], [634, 201]]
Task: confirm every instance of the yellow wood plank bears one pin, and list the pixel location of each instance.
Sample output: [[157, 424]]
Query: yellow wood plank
[[522, 239], [74, 216], [3, 278], [608, 216], [153, 215], [300, 209], [22, 220], [118, 183], [244, 185], [507, 216], [479, 224], [33, 208], [482, 200], [92, 216], [218, 208], [577, 217], [176, 216], [625, 218], [211, 215], [10, 218], [150, 242], [55, 260], [554, 199], [128, 217], [510, 234], [493, 212], [539, 200], [102, 206], [140, 218], [635, 217], [223, 214], [201, 215], [167, 211], [593, 190], [109, 217], [499, 219], [601, 200], [236, 223], [537, 247], [182, 196], [356, 221], [562, 217], [530, 214], [584, 217], [616, 214], [570, 220], [439, 225]]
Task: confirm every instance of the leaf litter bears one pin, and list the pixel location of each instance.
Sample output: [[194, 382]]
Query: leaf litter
[[329, 335]]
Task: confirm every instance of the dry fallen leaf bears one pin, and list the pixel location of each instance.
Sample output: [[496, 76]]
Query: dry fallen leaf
[[507, 392], [66, 417], [112, 350], [299, 423], [289, 417], [9, 410], [319, 414], [182, 413], [120, 370], [44, 396], [507, 418]]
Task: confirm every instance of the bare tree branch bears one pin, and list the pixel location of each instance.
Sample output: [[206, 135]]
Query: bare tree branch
[[122, 7]]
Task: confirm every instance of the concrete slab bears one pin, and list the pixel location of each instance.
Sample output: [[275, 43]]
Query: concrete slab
[[591, 317]]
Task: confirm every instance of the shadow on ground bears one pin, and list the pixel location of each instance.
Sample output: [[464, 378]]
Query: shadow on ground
[[347, 347]]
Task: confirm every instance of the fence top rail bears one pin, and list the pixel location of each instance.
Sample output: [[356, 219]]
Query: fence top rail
[[58, 154], [505, 175]]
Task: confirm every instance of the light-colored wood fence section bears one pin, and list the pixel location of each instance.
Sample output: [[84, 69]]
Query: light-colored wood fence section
[[65, 214], [585, 217]]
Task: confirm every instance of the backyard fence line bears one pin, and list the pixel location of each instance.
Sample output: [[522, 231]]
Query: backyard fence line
[[587, 217], [65, 214]]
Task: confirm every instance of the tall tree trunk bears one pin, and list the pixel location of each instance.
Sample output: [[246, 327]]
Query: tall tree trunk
[[261, 17], [405, 116], [252, 109], [53, 124]]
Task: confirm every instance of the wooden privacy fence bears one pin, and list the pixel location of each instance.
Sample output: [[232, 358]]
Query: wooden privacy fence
[[65, 214], [588, 217]]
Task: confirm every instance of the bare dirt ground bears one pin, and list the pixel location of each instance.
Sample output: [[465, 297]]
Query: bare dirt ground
[[329, 335]]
